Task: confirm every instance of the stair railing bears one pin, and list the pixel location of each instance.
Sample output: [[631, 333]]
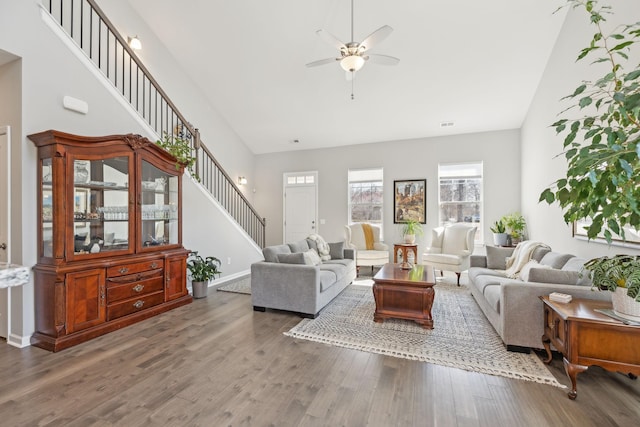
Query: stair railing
[[93, 32]]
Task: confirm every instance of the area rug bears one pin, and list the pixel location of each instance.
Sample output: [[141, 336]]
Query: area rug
[[462, 337], [242, 286]]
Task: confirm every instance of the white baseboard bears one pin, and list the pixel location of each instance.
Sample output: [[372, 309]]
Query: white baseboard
[[19, 341]]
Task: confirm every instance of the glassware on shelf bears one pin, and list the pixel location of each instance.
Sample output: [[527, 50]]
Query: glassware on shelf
[[81, 173]]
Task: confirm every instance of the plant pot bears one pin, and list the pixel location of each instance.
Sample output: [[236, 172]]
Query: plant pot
[[410, 238], [200, 289], [624, 305], [501, 239]]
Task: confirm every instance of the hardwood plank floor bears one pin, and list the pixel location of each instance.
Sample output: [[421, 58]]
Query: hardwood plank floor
[[216, 362]]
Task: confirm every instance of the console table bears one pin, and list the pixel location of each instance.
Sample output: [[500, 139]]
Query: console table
[[587, 337]]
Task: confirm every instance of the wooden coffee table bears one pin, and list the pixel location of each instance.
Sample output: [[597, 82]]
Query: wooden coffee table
[[404, 294]]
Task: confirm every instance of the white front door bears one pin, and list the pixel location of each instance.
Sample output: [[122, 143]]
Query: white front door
[[5, 218], [300, 206]]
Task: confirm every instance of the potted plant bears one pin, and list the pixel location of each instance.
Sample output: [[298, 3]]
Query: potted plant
[[619, 274], [515, 225], [601, 144], [410, 229], [201, 271], [180, 148], [500, 236]]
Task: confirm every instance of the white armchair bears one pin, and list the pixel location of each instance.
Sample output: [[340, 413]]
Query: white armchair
[[451, 248], [354, 239]]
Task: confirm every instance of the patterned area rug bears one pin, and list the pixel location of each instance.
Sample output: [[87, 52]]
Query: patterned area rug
[[242, 286], [462, 337]]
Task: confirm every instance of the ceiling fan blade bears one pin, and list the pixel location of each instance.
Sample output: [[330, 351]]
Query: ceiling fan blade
[[322, 62], [331, 39], [382, 59], [376, 37]]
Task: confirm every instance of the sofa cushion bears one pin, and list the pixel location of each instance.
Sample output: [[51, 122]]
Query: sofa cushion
[[550, 275], [443, 258], [540, 252], [496, 257], [270, 253], [327, 279], [555, 259], [577, 264], [300, 246], [362, 254], [311, 257], [338, 269], [346, 262], [492, 295], [336, 250], [296, 258], [476, 272], [524, 274], [482, 282]]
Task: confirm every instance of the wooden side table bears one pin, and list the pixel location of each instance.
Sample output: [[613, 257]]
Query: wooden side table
[[405, 248], [586, 337]]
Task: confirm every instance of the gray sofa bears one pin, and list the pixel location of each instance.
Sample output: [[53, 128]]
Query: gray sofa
[[293, 278], [512, 306]]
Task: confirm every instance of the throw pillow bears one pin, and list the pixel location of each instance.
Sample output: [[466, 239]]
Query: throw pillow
[[555, 259], [525, 272], [323, 247], [496, 257], [296, 258], [311, 257], [550, 275], [336, 250]]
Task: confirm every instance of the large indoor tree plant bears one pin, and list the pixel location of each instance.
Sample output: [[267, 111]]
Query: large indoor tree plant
[[602, 149], [602, 146]]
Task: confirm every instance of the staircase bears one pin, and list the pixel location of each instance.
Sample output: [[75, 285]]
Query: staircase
[[86, 24]]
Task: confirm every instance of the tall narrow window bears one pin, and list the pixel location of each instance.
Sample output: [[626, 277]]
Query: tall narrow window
[[365, 195], [460, 194]]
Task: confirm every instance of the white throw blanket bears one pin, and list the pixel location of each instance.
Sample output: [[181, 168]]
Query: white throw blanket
[[522, 255], [323, 247]]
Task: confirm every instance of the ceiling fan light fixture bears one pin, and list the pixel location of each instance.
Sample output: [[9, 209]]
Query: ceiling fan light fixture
[[352, 63]]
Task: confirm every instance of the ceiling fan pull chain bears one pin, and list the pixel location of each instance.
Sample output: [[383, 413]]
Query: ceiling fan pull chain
[[352, 83]]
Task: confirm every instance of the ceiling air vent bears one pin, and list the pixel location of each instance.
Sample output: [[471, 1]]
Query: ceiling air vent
[[446, 124]]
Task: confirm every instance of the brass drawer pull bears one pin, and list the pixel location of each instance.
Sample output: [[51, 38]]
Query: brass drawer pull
[[138, 304], [154, 265], [138, 287], [123, 270]]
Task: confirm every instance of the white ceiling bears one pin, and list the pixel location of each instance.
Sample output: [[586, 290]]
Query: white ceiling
[[475, 63]]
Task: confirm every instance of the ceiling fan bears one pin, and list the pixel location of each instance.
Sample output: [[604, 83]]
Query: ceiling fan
[[353, 55]]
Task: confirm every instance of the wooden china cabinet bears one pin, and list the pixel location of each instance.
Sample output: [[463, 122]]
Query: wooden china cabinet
[[109, 236]]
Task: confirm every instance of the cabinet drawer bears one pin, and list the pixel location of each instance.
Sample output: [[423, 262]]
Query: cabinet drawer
[[133, 305], [116, 292], [135, 267]]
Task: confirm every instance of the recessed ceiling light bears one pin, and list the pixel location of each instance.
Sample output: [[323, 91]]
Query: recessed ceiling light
[[446, 124]]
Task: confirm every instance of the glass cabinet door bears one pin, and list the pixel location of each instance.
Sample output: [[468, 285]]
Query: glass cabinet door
[[46, 190], [159, 207], [101, 208]]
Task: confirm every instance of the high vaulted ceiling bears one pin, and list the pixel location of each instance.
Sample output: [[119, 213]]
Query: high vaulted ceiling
[[474, 63]]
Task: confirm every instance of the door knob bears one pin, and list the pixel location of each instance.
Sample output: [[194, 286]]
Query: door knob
[[3, 246]]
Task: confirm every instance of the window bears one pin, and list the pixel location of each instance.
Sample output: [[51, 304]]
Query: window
[[460, 194], [365, 196]]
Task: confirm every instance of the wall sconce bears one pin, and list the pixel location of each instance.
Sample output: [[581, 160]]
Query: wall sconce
[[242, 180], [134, 43]]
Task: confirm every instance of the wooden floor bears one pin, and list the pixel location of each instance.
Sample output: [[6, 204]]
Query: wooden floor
[[216, 362]]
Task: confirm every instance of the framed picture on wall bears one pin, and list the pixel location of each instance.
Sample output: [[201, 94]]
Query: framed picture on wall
[[410, 200], [632, 236]]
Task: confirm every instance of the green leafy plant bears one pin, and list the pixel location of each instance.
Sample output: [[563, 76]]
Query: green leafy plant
[[202, 269], [603, 169], [515, 224], [180, 148], [411, 226], [620, 270], [498, 227]]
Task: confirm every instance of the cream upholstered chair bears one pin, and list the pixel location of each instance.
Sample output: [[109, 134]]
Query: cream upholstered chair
[[354, 239], [451, 248]]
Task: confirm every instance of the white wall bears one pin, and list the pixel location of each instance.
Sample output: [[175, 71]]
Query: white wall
[[540, 144], [410, 159], [215, 132], [49, 71]]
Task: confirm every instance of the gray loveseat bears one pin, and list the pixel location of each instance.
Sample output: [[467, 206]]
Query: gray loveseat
[[294, 279], [512, 305]]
